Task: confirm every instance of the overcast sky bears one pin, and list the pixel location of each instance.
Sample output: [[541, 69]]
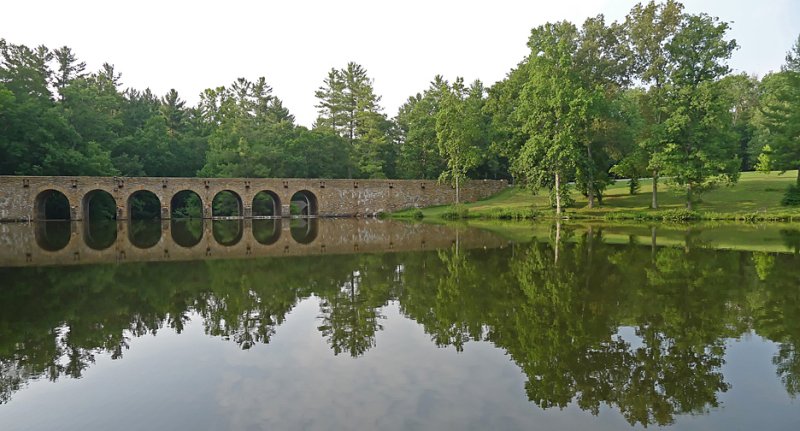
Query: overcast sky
[[193, 45]]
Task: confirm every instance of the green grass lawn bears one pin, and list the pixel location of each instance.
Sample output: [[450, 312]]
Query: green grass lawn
[[755, 192]]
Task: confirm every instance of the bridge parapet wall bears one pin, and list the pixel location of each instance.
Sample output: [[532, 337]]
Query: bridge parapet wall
[[18, 194]]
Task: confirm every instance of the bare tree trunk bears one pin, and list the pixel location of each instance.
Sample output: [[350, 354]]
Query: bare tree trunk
[[558, 240], [653, 243], [589, 254], [456, 189], [654, 204], [558, 194], [590, 183], [689, 197]]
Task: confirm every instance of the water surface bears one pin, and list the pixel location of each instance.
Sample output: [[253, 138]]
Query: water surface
[[321, 324]]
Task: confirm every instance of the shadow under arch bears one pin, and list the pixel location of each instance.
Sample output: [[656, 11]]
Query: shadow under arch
[[144, 234], [99, 234], [99, 205], [187, 232], [304, 204], [144, 205], [227, 233], [226, 203], [51, 204], [186, 204], [266, 203], [53, 235], [267, 231], [304, 230]]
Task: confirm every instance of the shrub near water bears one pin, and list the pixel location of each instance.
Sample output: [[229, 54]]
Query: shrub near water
[[668, 215], [515, 214], [456, 212]]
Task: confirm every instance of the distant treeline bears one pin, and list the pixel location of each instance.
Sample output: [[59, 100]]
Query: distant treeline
[[650, 96]]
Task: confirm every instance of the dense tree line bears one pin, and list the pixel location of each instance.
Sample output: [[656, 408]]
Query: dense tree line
[[648, 97]]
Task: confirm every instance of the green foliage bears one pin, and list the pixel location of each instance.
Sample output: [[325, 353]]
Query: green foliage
[[186, 205], [144, 206], [780, 119], [741, 95], [553, 106], [698, 151], [226, 204], [634, 186], [647, 97], [349, 108], [458, 130], [650, 27], [418, 153], [570, 107], [565, 197]]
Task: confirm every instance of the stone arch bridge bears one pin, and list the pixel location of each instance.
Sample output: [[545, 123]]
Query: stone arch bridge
[[23, 198]]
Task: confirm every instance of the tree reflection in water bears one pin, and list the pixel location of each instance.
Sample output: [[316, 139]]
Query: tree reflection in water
[[186, 232], [557, 310], [227, 232], [144, 233]]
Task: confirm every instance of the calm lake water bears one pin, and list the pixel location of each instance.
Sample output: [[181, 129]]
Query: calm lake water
[[348, 324]]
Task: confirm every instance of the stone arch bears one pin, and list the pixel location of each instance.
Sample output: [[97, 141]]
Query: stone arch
[[227, 233], [304, 204], [51, 204], [186, 204], [304, 230], [99, 204], [266, 203], [144, 205], [267, 231], [227, 203]]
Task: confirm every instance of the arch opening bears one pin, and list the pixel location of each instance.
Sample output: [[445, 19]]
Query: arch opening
[[227, 232], [267, 231], [226, 204], [99, 205], [51, 205], [186, 204], [303, 204], [187, 232], [266, 204], [144, 205], [304, 230], [52, 235]]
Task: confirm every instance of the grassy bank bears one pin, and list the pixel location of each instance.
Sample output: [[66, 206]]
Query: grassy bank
[[756, 197]]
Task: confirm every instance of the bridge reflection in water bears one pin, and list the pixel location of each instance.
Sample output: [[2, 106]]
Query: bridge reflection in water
[[85, 242]]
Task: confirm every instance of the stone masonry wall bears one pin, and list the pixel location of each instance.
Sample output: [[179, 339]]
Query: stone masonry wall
[[18, 194]]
